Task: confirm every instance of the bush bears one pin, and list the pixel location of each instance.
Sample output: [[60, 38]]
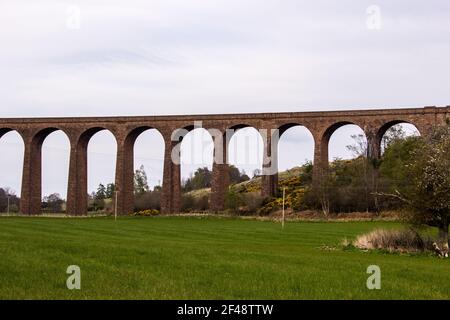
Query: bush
[[251, 203], [233, 200], [147, 213], [407, 240], [189, 203], [148, 200]]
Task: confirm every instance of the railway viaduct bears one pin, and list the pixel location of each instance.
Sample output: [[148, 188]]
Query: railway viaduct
[[79, 130]]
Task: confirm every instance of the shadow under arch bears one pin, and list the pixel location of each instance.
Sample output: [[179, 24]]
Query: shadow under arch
[[386, 126], [4, 131]]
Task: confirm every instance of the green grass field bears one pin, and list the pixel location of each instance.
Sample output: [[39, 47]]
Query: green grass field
[[204, 258]]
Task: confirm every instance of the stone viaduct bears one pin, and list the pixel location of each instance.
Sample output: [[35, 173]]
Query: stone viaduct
[[126, 129]]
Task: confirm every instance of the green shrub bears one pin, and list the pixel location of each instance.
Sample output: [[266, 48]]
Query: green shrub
[[147, 213]]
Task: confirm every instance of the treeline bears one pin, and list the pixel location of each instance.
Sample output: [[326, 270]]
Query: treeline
[[359, 184], [202, 178], [8, 201], [350, 185]]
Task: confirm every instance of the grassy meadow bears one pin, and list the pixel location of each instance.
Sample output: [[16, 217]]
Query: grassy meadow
[[205, 258]]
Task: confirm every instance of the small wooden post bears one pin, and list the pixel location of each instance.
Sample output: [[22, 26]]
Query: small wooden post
[[115, 206], [282, 219]]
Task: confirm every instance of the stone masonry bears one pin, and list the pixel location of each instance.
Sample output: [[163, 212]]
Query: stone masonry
[[126, 130]]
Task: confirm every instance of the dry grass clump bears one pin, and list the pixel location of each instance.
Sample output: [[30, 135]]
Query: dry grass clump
[[406, 240]]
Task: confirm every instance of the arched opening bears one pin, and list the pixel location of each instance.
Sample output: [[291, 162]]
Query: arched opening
[[11, 166], [245, 152], [295, 164], [196, 159], [347, 141], [394, 131], [295, 148], [101, 169], [349, 184], [55, 172], [398, 143], [148, 169]]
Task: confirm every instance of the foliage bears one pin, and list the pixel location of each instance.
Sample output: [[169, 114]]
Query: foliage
[[202, 178], [140, 181], [146, 213], [14, 201], [247, 203], [101, 192], [52, 203], [404, 240], [148, 200], [189, 203], [110, 188], [237, 176], [426, 194]]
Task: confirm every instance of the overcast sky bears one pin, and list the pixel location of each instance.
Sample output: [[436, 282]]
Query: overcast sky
[[84, 58]]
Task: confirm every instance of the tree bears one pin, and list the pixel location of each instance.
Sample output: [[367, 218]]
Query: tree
[[140, 181], [394, 133], [359, 148], [53, 203], [237, 176], [101, 192], [6, 194], [202, 178], [256, 173], [110, 188], [426, 194]]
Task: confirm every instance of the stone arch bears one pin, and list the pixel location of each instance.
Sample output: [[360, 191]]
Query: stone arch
[[4, 131], [78, 171], [31, 194], [197, 153], [375, 136], [125, 168], [385, 127], [11, 166], [55, 168], [208, 139], [328, 133], [291, 125], [231, 141]]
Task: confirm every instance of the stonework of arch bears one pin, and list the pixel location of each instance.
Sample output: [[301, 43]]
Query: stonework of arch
[[31, 194], [126, 129], [124, 182]]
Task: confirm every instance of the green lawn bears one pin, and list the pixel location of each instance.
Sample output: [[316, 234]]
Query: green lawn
[[204, 258]]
